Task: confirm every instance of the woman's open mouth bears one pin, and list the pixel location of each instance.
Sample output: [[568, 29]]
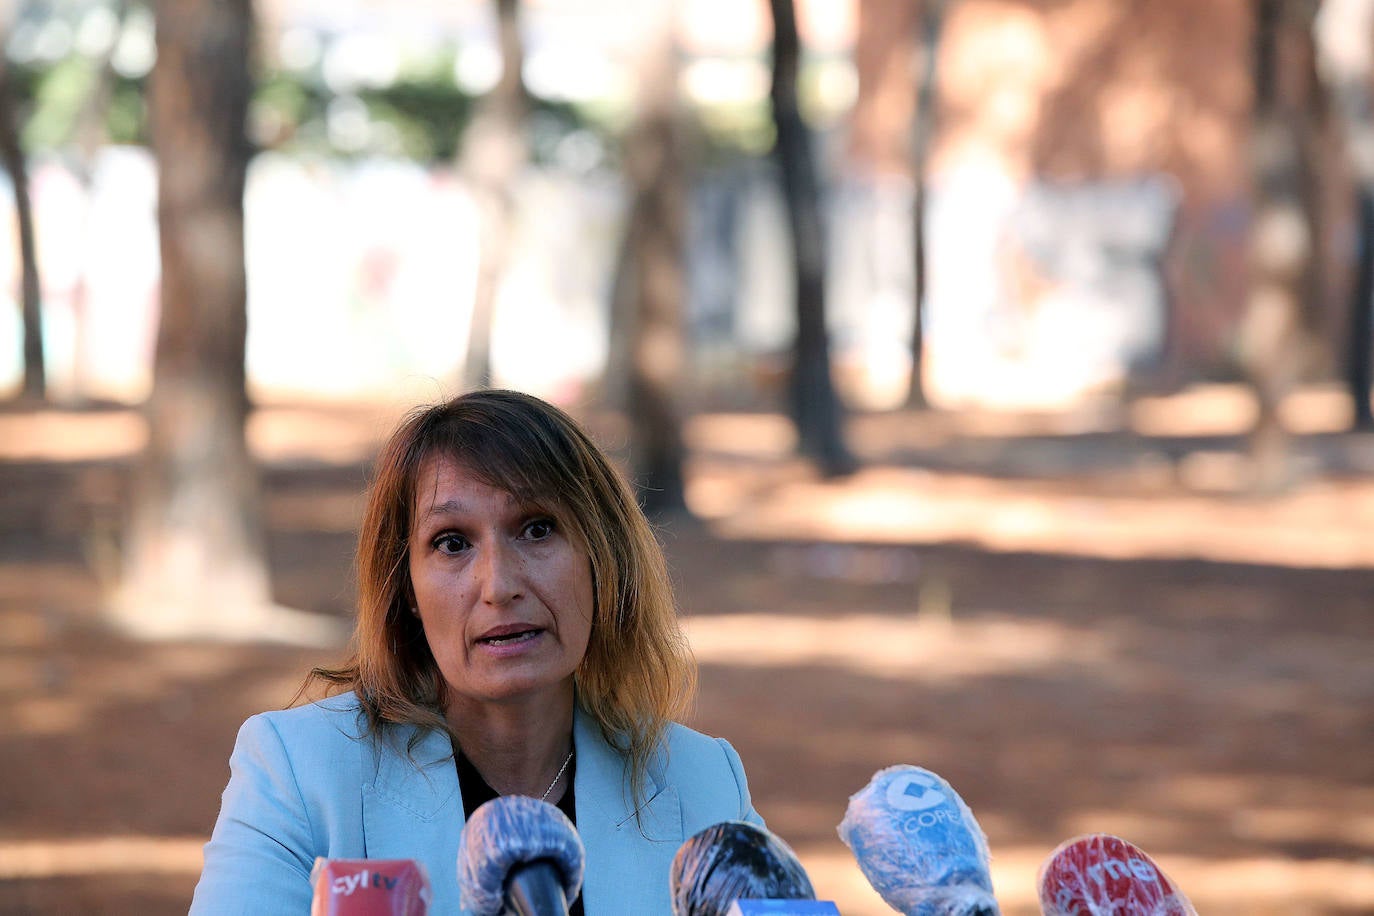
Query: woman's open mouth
[[511, 638]]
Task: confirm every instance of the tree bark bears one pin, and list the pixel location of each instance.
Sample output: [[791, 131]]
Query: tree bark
[[650, 286], [493, 154], [1359, 375], [815, 406], [1276, 342], [1344, 35], [194, 560], [12, 155], [928, 25]]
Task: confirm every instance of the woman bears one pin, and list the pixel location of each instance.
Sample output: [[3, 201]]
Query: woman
[[516, 634]]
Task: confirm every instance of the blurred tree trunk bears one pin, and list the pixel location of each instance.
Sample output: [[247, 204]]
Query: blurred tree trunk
[[493, 152], [194, 558], [816, 408], [12, 155], [650, 285], [928, 26], [1276, 343], [1345, 46]]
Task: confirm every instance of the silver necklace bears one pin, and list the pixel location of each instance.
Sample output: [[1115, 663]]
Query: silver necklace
[[561, 771]]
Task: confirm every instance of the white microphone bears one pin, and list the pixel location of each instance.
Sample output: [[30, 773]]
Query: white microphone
[[919, 846]]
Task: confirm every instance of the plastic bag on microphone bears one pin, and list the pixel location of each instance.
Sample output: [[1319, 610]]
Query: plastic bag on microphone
[[918, 844], [510, 831], [369, 887], [733, 860], [1102, 875]]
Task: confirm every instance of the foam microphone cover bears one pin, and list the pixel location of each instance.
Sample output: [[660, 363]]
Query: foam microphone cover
[[919, 846], [506, 834], [734, 860], [1103, 875]]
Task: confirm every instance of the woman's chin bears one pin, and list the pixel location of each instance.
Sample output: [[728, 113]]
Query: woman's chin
[[520, 689]]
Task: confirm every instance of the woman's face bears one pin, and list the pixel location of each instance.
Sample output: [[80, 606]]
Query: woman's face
[[503, 592]]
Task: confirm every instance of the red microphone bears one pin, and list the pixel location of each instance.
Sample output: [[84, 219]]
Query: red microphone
[[369, 887], [1103, 875]]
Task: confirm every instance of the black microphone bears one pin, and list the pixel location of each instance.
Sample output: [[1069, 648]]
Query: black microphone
[[918, 845], [519, 855], [730, 861]]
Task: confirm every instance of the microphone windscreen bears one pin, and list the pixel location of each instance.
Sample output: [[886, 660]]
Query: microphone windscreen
[[369, 887], [734, 860], [507, 832], [918, 844], [1102, 875]]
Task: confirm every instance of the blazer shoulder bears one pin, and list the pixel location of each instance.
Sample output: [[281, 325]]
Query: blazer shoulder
[[710, 772], [681, 740], [322, 724]]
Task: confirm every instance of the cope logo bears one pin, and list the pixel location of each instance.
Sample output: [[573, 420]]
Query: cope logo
[[922, 800], [914, 792]]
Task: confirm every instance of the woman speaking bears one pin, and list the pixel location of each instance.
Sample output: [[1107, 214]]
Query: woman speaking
[[516, 635]]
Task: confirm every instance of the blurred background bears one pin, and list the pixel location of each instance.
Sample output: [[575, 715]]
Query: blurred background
[[997, 373]]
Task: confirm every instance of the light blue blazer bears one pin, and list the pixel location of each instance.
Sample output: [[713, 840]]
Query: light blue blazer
[[305, 782]]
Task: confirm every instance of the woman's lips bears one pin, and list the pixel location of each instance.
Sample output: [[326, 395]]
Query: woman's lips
[[511, 635]]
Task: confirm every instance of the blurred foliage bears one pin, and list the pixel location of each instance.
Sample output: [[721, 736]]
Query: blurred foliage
[[733, 128], [52, 99], [418, 113], [420, 116]]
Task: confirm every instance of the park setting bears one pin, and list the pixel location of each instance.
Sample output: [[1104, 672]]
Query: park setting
[[994, 374]]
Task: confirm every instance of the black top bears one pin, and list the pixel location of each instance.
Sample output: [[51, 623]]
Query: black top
[[476, 793]]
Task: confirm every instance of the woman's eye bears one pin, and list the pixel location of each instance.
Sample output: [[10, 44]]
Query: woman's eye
[[450, 543], [539, 529]]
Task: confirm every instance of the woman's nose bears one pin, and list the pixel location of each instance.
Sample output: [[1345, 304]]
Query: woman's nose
[[500, 572]]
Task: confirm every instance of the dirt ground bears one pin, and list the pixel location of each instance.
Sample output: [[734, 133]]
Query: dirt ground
[[1081, 622]]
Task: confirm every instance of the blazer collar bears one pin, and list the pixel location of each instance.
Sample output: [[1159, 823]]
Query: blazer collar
[[627, 857], [414, 809]]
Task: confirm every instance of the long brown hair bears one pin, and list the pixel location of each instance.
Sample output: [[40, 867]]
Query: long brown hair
[[638, 674]]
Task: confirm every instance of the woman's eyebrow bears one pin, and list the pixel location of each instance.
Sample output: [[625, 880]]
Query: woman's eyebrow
[[447, 507], [457, 506]]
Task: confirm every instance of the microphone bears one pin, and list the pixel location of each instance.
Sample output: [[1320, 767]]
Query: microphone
[[918, 845], [731, 862], [369, 887], [1102, 875], [519, 855]]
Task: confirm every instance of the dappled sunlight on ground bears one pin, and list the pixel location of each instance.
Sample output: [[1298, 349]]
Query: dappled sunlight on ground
[[84, 696], [59, 435], [341, 435], [745, 435], [334, 435], [1211, 410], [100, 855], [909, 649], [1327, 524], [1075, 618]]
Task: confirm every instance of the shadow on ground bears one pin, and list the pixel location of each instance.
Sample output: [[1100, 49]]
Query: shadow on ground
[[1220, 714]]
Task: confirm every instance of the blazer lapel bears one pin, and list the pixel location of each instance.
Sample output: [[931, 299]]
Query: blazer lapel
[[626, 868], [416, 812], [413, 809]]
